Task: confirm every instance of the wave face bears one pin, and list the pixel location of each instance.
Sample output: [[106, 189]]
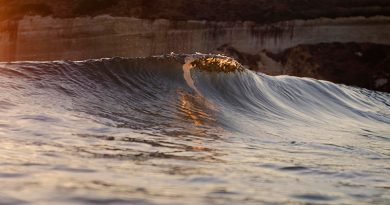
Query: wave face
[[169, 129]]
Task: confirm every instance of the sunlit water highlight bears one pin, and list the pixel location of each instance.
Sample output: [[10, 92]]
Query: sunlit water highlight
[[133, 131]]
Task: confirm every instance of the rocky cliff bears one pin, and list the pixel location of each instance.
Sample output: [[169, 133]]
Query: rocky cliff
[[47, 38]]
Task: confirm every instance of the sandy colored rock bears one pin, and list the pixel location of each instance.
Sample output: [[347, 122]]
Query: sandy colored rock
[[47, 38]]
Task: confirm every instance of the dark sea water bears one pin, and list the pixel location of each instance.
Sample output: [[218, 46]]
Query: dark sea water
[[152, 131]]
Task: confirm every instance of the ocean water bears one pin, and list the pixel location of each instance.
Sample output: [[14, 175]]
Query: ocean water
[[162, 130]]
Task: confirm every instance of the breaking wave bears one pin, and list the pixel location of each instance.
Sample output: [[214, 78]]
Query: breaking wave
[[195, 107]]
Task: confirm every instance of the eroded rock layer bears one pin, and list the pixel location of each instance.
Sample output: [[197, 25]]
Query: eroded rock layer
[[47, 38]]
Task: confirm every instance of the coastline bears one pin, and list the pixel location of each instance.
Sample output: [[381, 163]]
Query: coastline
[[47, 38], [36, 38]]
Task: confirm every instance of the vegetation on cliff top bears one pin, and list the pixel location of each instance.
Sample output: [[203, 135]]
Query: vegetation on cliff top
[[262, 11]]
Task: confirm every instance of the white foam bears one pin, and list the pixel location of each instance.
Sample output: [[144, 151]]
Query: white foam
[[187, 73]]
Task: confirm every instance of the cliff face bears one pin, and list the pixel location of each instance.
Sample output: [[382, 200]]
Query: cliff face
[[47, 38]]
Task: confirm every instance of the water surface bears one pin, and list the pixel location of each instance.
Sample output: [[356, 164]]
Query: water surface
[[134, 131]]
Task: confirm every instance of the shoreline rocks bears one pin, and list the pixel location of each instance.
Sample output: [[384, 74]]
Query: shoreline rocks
[[364, 65]]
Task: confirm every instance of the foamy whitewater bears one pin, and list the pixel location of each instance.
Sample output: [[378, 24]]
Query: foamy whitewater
[[184, 129]]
